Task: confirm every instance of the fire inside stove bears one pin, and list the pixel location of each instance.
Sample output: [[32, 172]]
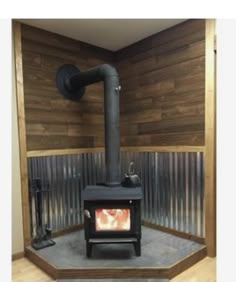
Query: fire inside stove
[[112, 219]]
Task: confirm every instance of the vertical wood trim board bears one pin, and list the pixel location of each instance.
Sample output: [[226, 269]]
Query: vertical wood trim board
[[210, 141], [22, 132]]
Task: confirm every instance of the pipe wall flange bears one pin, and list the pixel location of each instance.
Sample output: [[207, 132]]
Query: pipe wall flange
[[62, 78]]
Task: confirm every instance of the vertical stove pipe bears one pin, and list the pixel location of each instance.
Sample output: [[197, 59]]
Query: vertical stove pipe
[[71, 83]]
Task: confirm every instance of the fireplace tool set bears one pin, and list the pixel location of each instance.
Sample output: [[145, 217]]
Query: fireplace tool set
[[42, 238]]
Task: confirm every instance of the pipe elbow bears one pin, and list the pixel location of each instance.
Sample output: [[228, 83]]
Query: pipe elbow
[[107, 70]]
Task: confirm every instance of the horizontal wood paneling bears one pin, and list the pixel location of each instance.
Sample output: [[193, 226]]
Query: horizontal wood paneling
[[163, 86], [163, 139], [56, 141], [165, 41], [162, 98], [53, 122]]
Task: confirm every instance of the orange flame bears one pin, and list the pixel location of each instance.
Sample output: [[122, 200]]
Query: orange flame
[[112, 219]]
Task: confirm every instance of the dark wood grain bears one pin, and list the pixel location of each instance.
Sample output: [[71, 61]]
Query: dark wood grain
[[53, 122], [163, 84], [162, 98], [174, 37], [121, 272]]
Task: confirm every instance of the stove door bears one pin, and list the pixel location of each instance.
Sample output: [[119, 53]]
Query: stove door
[[111, 219]]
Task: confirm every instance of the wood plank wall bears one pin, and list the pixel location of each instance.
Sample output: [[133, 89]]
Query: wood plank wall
[[163, 86], [162, 97], [53, 122]]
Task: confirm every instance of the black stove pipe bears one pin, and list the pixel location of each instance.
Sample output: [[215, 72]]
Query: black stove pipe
[[71, 83]]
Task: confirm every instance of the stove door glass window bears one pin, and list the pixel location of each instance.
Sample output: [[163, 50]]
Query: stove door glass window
[[112, 219]]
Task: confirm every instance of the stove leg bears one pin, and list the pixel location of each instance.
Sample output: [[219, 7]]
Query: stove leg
[[88, 249], [137, 247]]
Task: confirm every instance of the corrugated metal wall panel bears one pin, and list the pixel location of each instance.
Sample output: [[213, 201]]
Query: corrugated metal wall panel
[[172, 184]]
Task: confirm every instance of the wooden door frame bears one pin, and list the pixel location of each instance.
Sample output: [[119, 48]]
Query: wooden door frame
[[210, 138], [17, 45]]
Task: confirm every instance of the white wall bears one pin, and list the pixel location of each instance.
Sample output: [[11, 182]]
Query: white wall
[[17, 221]]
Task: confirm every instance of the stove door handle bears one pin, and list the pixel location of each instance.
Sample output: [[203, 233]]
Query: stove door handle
[[87, 214]]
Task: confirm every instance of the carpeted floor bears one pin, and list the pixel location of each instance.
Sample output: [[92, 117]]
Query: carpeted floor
[[159, 249]]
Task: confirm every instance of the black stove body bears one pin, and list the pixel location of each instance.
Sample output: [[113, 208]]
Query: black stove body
[[119, 204], [112, 211]]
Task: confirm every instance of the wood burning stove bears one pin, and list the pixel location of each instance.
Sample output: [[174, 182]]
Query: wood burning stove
[[112, 215], [112, 211]]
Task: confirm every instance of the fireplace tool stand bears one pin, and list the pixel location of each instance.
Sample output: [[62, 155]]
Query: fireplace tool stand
[[43, 233]]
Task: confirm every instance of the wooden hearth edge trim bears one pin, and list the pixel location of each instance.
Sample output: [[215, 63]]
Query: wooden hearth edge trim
[[133, 272], [187, 262], [41, 153], [119, 272], [113, 272], [181, 234], [43, 264]]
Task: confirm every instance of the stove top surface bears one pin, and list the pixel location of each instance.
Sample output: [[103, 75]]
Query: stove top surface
[[102, 192]]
